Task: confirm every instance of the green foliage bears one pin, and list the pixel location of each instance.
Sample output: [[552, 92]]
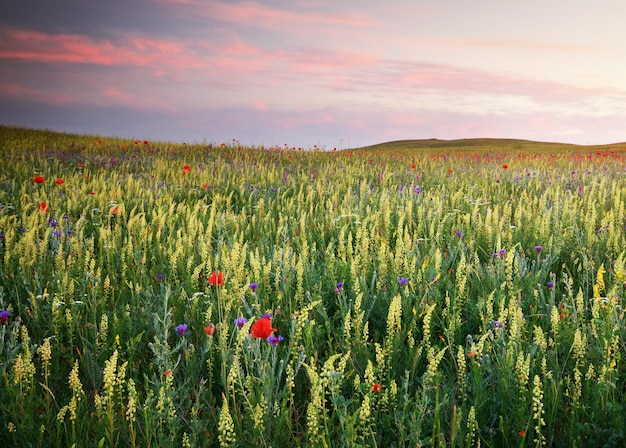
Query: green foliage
[[481, 297]]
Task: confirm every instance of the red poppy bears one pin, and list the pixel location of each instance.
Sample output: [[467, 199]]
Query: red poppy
[[505, 166], [186, 169], [521, 433], [413, 166], [60, 181], [115, 210], [262, 328], [376, 388], [43, 207], [145, 142], [210, 329], [216, 278], [39, 179]]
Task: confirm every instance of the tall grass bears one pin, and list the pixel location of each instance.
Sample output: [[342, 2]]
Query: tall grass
[[422, 298]]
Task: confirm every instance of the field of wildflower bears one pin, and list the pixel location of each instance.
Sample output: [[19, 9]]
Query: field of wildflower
[[199, 295]]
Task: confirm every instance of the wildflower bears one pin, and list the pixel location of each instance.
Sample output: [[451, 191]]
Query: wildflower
[[216, 278], [145, 142], [4, 316], [253, 286], [160, 277], [339, 287], [538, 248], [521, 433], [403, 281], [505, 166], [274, 340], [376, 388], [500, 254], [210, 329], [60, 181], [43, 207], [181, 330], [498, 324], [459, 234], [417, 190], [168, 372], [39, 180], [471, 354], [115, 210], [240, 321], [550, 285], [262, 328], [186, 169]]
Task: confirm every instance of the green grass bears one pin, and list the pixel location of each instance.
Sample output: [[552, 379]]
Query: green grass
[[491, 340]]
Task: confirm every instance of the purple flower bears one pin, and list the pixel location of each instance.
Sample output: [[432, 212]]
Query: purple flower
[[538, 248], [253, 286], [550, 285], [240, 321], [4, 317], [459, 234], [266, 316], [498, 324], [181, 330], [160, 277], [417, 190], [500, 254], [339, 287], [403, 281], [274, 340]]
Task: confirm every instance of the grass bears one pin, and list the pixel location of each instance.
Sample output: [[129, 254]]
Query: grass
[[418, 294]]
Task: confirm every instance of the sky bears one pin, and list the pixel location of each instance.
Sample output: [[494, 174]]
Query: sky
[[316, 73]]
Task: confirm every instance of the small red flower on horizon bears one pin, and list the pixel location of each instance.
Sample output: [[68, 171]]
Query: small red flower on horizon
[[39, 179], [262, 328], [43, 207], [210, 329], [186, 169], [59, 181], [216, 278], [145, 142], [376, 388]]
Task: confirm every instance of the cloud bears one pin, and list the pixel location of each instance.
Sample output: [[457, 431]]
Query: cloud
[[23, 44]]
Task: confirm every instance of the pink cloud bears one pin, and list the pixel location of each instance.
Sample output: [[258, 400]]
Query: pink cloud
[[264, 16], [79, 49]]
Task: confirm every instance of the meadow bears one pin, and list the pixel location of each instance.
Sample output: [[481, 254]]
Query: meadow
[[413, 294]]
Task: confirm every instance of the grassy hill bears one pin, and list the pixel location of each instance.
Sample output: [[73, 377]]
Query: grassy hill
[[487, 144]]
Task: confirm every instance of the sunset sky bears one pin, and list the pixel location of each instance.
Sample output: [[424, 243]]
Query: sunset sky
[[327, 73]]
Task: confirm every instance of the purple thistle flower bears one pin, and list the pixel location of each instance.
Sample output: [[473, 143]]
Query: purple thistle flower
[[274, 340], [181, 330], [459, 234], [253, 286], [550, 285], [403, 281], [240, 321], [4, 316], [538, 248]]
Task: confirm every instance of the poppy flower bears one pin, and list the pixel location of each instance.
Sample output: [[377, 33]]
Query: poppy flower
[[521, 433], [376, 388], [262, 328], [43, 207], [216, 278], [60, 181], [505, 166], [210, 329], [186, 169], [39, 179]]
